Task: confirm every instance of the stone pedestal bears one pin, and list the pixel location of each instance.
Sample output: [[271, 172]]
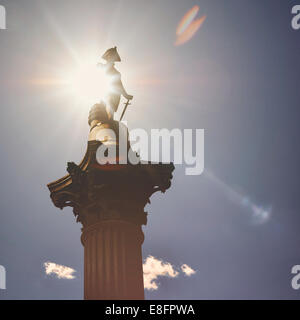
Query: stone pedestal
[[109, 200]]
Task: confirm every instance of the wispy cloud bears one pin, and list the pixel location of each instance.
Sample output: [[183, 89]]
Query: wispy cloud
[[187, 270], [154, 268], [60, 271]]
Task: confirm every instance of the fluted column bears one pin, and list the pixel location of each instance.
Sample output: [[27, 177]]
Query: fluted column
[[113, 261]]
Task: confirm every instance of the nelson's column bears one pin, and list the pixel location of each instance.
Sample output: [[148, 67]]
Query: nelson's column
[[109, 200]]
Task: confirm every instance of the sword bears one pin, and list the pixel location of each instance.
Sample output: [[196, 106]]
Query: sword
[[126, 105]]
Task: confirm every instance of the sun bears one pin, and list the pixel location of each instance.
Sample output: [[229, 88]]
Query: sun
[[81, 82], [87, 83]]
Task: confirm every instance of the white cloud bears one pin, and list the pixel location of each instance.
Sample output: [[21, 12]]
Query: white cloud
[[154, 268], [62, 272], [187, 270]]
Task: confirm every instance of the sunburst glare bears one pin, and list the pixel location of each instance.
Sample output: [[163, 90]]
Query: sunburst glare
[[87, 83]]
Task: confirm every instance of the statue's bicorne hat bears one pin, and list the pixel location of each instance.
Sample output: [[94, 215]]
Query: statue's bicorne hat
[[111, 55]]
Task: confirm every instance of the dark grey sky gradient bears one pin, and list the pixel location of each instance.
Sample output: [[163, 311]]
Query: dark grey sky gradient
[[238, 78]]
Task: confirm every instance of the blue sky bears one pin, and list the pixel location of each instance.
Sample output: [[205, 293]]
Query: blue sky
[[237, 78]]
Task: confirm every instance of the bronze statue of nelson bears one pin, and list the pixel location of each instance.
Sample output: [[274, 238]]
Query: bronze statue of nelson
[[116, 87]]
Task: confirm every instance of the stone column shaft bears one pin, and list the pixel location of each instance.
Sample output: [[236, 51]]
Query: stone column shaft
[[113, 261]]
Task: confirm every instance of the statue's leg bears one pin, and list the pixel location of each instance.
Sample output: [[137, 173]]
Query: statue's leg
[[115, 102], [109, 111], [112, 104]]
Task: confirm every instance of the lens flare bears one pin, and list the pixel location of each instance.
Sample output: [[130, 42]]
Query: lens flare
[[188, 27], [258, 214], [187, 19], [190, 31]]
